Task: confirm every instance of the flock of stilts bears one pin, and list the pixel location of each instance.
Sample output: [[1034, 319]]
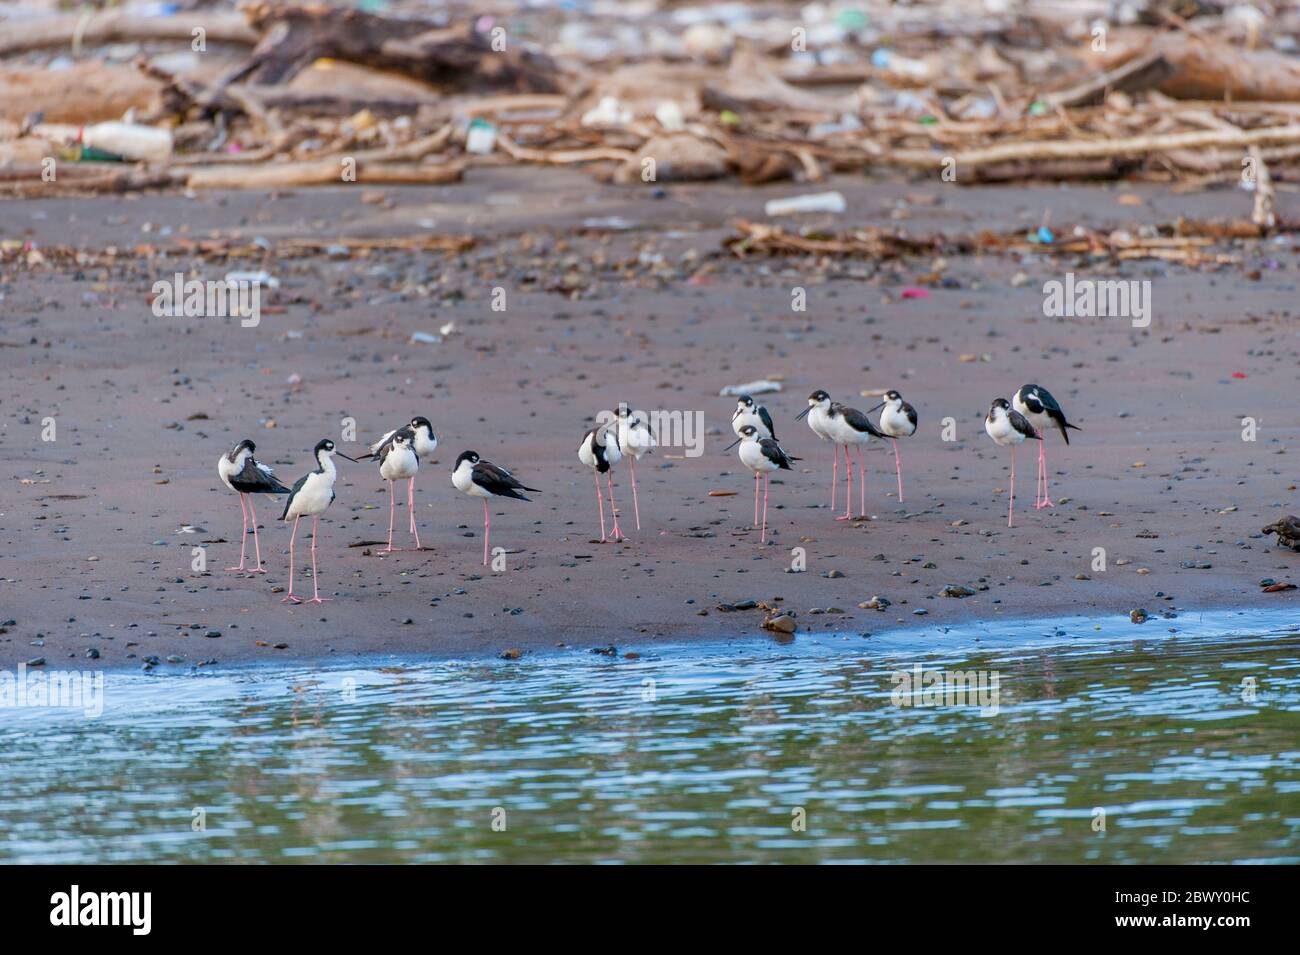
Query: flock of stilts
[[1030, 412]]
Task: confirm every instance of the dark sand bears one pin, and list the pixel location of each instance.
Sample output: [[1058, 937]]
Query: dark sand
[[94, 555]]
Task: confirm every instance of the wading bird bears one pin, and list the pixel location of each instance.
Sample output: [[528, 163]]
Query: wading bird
[[1042, 411], [311, 495], [762, 456], [246, 477], [636, 439], [1008, 427], [818, 411], [479, 478], [851, 428], [898, 420], [750, 412], [422, 441], [600, 451], [397, 462]]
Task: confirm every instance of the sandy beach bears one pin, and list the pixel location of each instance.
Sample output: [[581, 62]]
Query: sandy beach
[[613, 294]]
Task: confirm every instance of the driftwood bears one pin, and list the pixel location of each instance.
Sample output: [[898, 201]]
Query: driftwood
[[320, 172], [1206, 68], [293, 37], [115, 26], [1138, 74], [1287, 531]]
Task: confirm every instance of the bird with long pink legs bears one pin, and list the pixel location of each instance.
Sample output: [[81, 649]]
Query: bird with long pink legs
[[246, 476], [399, 462], [1042, 411], [850, 428], [897, 420], [478, 478], [636, 440], [600, 451], [311, 495], [1008, 428], [423, 442], [762, 456], [818, 414]]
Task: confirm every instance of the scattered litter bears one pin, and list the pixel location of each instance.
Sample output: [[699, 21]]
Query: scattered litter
[[760, 387], [832, 202]]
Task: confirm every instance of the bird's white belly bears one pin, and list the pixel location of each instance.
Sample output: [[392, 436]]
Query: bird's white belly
[[423, 445], [819, 425], [751, 455], [1039, 421], [844, 434], [399, 465], [463, 479], [752, 420], [1000, 430], [225, 469], [313, 498], [895, 423]]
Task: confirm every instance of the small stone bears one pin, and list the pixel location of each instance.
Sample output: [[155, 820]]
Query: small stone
[[833, 574], [781, 624], [514, 653], [956, 590], [213, 634], [1138, 616]]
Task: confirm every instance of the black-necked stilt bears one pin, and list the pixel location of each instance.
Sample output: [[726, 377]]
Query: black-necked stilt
[[761, 455], [246, 476], [1042, 410], [1008, 428], [479, 478], [600, 451], [635, 439], [424, 442], [750, 412], [849, 427], [311, 495], [897, 420], [817, 412], [399, 462]]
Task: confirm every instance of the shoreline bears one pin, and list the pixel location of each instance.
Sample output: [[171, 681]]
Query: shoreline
[[101, 523]]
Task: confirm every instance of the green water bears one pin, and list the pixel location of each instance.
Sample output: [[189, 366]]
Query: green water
[[580, 759]]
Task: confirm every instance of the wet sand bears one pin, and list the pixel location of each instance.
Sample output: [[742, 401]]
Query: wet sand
[[97, 556]]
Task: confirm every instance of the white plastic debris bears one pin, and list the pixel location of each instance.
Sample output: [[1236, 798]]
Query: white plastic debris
[[253, 278], [425, 338], [812, 202], [608, 112], [130, 140], [670, 116], [760, 387], [481, 137]]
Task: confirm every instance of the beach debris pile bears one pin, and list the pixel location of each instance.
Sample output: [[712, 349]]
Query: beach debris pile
[[289, 95]]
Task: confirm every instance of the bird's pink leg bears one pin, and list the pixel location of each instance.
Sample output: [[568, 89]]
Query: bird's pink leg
[[636, 507], [600, 503], [755, 498], [762, 538], [410, 505], [289, 597], [848, 489], [835, 472], [1042, 464], [618, 534], [862, 484], [1011, 505], [257, 548], [487, 524], [242, 537], [898, 466], [316, 598], [391, 505]]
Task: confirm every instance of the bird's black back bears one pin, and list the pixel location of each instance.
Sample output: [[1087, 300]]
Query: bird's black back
[[251, 479]]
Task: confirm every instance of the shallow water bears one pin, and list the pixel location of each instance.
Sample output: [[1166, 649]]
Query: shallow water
[[580, 758]]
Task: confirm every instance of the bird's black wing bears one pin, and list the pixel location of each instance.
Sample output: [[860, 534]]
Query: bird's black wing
[[1021, 424], [255, 479], [772, 451], [1048, 405], [297, 486], [499, 481], [766, 418], [910, 414], [860, 422]]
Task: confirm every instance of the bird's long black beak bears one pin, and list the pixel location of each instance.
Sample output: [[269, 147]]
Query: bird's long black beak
[[803, 414], [876, 408], [349, 457], [730, 446]]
